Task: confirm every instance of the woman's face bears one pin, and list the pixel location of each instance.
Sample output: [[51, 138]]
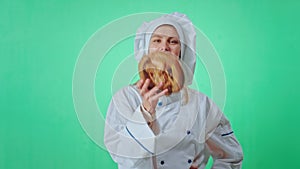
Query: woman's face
[[165, 39]]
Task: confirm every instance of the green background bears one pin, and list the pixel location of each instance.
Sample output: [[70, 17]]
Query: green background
[[257, 41]]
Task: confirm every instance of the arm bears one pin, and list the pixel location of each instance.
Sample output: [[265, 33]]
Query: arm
[[221, 141], [224, 147], [130, 128], [127, 136]]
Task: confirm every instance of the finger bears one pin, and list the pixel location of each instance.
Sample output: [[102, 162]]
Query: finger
[[154, 90], [162, 93], [145, 87], [140, 83]]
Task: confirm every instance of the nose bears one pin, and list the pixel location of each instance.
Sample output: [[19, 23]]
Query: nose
[[164, 47]]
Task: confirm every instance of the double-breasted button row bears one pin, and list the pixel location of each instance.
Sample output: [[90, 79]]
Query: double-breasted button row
[[162, 162]]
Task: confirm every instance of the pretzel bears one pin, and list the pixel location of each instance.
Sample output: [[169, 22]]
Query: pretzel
[[162, 67]]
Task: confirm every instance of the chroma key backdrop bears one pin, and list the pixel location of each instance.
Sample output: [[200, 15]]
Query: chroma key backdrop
[[61, 62]]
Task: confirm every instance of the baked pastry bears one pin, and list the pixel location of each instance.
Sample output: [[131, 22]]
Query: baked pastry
[[162, 67]]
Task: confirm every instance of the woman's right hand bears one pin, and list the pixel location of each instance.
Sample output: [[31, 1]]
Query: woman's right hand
[[150, 97]]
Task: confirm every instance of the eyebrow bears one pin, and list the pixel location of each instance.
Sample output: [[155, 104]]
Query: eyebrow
[[156, 36], [160, 36]]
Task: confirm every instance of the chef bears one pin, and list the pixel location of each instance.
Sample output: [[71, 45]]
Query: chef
[[150, 127]]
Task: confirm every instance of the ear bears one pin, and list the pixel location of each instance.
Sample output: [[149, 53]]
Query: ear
[[179, 55]]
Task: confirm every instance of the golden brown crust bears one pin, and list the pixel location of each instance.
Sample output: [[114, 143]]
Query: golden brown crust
[[162, 67]]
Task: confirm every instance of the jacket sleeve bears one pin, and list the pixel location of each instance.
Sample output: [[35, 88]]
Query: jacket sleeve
[[222, 143], [127, 136]]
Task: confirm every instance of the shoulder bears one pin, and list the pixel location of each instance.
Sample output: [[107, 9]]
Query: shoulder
[[127, 90], [197, 95], [128, 93], [202, 100], [126, 100]]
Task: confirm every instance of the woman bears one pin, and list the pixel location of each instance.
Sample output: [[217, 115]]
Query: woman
[[146, 129]]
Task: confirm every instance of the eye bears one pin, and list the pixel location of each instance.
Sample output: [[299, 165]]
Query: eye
[[174, 41], [156, 40]]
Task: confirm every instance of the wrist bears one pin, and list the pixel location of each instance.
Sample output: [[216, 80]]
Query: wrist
[[150, 117], [149, 109]]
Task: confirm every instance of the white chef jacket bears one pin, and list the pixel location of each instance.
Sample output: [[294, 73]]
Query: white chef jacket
[[191, 128]]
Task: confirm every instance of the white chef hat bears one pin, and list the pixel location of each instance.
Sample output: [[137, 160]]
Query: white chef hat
[[187, 36]]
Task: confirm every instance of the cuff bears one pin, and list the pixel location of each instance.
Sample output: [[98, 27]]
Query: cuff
[[139, 130]]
